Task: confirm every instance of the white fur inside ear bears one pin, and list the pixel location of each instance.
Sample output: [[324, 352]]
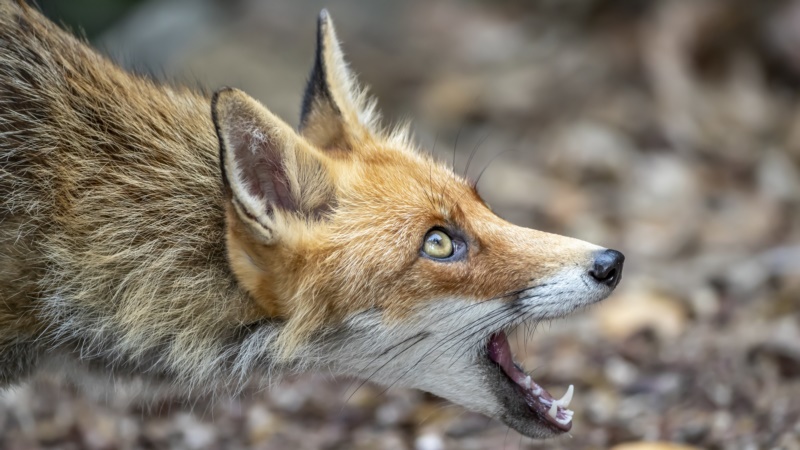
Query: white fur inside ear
[[255, 207], [264, 225]]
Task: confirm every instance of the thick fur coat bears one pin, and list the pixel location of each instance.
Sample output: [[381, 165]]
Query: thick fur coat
[[153, 232]]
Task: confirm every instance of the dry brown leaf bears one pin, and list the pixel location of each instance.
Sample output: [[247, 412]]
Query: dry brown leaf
[[640, 309]]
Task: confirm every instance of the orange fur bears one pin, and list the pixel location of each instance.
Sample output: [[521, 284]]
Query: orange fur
[[133, 241]]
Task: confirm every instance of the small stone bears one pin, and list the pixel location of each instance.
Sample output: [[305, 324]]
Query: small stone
[[260, 424], [429, 441]]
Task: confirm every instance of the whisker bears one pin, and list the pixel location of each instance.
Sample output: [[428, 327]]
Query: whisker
[[500, 297], [421, 337], [456, 333], [514, 310], [528, 312], [453, 164], [474, 151], [494, 314], [430, 191], [407, 371], [466, 343], [491, 316], [521, 319], [491, 160], [455, 148], [464, 335]]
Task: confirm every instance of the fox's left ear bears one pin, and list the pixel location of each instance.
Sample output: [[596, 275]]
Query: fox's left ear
[[336, 113], [268, 171]]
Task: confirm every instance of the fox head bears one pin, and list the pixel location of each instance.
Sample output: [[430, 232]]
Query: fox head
[[380, 263]]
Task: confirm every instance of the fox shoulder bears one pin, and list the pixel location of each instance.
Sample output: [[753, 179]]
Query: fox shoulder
[[112, 212]]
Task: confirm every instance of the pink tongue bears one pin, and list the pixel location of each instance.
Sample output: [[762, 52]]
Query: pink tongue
[[500, 352], [537, 398]]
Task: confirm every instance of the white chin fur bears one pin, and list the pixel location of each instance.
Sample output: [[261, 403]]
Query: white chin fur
[[443, 350]]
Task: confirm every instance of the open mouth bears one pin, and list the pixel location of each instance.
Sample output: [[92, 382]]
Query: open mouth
[[551, 411]]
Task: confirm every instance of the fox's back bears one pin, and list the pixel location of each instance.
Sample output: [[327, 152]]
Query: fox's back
[[110, 190]]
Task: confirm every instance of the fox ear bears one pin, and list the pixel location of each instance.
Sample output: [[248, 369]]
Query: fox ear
[[269, 171], [336, 112]]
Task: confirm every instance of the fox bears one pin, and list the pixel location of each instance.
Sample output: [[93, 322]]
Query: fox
[[153, 232]]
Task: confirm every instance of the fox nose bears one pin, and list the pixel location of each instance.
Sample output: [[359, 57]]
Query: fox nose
[[607, 267]]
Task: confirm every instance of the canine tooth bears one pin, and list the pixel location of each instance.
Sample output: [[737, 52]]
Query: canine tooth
[[553, 410], [564, 401], [527, 382]]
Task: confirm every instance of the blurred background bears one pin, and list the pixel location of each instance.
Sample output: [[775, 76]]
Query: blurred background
[[669, 130]]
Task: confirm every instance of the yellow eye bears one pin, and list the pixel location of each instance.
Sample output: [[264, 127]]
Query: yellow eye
[[438, 245]]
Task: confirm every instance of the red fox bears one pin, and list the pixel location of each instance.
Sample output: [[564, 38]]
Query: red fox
[[150, 232]]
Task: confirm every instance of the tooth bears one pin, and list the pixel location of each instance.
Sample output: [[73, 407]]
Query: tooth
[[527, 382], [564, 401], [537, 391], [553, 410]]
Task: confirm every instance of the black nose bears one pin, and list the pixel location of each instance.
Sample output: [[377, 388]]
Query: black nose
[[607, 267]]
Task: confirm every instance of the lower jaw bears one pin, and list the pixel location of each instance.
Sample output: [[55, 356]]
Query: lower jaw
[[523, 415], [528, 401]]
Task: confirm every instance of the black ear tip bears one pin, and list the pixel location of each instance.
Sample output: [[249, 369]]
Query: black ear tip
[[218, 93], [221, 91]]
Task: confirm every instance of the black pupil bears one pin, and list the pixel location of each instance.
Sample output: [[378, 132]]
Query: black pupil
[[435, 239]]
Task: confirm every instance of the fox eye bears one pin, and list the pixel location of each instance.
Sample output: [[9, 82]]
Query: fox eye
[[438, 245]]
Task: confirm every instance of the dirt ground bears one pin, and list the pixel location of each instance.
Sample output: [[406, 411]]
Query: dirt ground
[[669, 130]]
